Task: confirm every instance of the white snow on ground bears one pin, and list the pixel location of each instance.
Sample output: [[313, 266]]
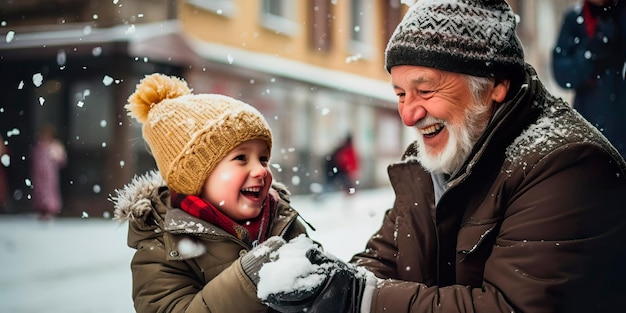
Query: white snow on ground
[[75, 265]]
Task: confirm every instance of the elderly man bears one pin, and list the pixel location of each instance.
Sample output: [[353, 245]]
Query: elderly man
[[507, 201]]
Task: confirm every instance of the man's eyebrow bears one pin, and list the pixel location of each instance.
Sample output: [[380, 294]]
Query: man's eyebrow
[[419, 80], [416, 81]]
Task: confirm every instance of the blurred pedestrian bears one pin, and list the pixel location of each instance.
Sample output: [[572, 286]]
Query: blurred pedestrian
[[342, 167], [589, 58], [212, 200], [48, 158]]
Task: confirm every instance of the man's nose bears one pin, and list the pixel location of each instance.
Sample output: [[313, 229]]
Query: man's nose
[[411, 111]]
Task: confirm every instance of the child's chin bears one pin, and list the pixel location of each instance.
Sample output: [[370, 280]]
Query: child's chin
[[250, 212]]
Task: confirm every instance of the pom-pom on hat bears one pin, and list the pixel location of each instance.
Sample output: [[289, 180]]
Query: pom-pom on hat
[[474, 37], [189, 134]]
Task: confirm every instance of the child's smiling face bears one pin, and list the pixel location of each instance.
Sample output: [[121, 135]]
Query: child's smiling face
[[239, 183]]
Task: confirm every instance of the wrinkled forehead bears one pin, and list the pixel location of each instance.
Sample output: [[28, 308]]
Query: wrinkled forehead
[[415, 75]]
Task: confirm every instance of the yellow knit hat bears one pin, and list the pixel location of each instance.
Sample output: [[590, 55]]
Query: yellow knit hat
[[189, 134]]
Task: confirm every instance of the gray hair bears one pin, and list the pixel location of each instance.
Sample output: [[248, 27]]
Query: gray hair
[[478, 86]]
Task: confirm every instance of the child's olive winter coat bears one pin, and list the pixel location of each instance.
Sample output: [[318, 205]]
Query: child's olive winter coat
[[184, 264]]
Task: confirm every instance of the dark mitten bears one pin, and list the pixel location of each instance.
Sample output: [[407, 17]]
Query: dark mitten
[[252, 261], [341, 290]]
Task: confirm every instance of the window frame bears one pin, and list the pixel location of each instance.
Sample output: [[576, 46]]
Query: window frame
[[362, 15], [280, 22], [226, 8]]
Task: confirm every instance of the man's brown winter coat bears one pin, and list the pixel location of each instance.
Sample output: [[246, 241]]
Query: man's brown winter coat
[[184, 264], [535, 221]]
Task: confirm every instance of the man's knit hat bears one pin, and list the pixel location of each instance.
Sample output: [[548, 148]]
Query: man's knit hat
[[189, 134], [474, 37]]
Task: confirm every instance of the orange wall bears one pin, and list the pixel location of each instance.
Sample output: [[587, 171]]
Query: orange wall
[[244, 31]]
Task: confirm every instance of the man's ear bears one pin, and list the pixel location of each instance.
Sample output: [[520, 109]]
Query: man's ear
[[500, 90]]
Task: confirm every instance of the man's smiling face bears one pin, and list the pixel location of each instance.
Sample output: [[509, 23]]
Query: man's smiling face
[[442, 108]]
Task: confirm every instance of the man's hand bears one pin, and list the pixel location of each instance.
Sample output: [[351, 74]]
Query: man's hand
[[341, 288]]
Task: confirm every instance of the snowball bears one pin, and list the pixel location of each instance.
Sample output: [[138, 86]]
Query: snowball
[[292, 271]]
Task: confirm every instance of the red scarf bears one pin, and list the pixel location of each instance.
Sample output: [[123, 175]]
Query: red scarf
[[250, 231], [591, 20]]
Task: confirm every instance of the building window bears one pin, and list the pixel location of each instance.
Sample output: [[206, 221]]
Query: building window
[[277, 15], [361, 20], [220, 7], [320, 25], [393, 16]]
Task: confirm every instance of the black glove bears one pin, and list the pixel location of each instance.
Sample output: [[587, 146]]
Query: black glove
[[252, 261], [341, 291]]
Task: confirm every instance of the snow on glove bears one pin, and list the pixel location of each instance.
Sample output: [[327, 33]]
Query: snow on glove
[[252, 261], [330, 286]]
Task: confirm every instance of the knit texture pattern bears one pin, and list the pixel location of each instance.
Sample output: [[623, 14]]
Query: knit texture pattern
[[188, 134], [472, 37]]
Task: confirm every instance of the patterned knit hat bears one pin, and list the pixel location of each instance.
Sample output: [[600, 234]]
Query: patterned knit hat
[[189, 134], [474, 37]]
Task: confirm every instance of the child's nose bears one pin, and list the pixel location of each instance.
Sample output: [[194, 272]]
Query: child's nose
[[259, 171]]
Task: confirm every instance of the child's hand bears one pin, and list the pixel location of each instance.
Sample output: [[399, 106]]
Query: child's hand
[[252, 261]]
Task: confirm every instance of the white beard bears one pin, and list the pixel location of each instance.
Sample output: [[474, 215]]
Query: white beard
[[461, 140]]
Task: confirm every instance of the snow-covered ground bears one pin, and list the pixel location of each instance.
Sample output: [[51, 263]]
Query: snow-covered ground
[[81, 265]]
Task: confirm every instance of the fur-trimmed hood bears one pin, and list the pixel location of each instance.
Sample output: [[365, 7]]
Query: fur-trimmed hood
[[134, 200]]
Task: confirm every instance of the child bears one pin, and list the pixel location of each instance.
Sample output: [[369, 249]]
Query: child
[[211, 201]]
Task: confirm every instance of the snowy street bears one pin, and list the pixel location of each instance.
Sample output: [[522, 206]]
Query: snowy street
[[81, 265]]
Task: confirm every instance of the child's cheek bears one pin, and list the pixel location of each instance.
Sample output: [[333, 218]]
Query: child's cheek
[[226, 176]]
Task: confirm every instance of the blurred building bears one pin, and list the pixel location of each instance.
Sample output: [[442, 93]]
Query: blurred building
[[71, 63], [314, 68]]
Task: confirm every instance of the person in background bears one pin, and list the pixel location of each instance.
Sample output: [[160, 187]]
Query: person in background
[[342, 166], [48, 158], [507, 201], [211, 201], [589, 58], [348, 164]]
